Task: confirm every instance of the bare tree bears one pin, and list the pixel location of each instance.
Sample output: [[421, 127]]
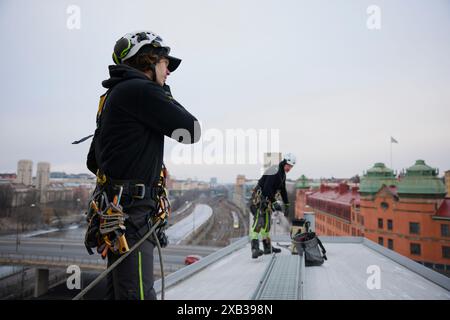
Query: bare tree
[[6, 196]]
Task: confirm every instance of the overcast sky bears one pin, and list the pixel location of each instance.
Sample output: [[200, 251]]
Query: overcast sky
[[336, 90]]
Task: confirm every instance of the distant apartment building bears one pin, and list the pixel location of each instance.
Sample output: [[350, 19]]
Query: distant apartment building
[[7, 177], [58, 192], [410, 215], [176, 186], [25, 172], [239, 191], [270, 159], [42, 175]]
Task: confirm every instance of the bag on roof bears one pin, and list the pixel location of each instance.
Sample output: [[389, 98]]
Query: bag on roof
[[309, 244]]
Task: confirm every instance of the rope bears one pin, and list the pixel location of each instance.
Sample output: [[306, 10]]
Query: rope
[[118, 261], [161, 264]]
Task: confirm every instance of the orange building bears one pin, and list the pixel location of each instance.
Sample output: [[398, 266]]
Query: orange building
[[410, 216]]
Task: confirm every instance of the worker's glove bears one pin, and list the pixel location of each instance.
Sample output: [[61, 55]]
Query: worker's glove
[[162, 238], [161, 232], [276, 206], [286, 209]]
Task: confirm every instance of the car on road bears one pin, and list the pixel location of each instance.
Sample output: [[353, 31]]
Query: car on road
[[190, 259]]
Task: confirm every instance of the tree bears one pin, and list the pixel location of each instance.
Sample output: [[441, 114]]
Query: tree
[[6, 197]]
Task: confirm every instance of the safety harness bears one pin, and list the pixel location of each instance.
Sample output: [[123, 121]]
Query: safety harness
[[106, 229], [106, 219]]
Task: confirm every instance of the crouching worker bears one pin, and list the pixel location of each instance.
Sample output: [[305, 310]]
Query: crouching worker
[[126, 154], [264, 202]]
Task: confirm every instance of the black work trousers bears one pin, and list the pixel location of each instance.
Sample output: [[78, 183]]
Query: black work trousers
[[133, 279]]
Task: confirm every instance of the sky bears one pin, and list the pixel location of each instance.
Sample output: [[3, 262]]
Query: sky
[[334, 89]]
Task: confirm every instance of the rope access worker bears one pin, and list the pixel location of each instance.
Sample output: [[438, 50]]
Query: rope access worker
[[126, 153], [263, 202]]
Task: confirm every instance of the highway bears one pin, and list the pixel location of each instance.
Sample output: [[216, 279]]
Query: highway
[[61, 248], [182, 229]]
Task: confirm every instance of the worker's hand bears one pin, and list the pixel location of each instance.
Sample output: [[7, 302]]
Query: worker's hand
[[276, 206], [286, 209], [162, 238]]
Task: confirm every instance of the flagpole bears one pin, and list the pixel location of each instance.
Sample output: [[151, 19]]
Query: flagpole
[[391, 156]]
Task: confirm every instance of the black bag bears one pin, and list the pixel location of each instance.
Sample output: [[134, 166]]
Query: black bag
[[308, 244]]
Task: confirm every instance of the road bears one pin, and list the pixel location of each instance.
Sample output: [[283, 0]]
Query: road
[[182, 229]]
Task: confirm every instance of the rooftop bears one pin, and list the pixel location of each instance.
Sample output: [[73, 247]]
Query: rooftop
[[444, 209], [340, 194], [231, 273]]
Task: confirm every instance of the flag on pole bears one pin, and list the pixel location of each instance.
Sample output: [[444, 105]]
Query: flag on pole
[[393, 140]]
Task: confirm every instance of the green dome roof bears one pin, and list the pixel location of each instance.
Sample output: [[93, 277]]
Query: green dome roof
[[302, 183], [421, 179], [375, 178]]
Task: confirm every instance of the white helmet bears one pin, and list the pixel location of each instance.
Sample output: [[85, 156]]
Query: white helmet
[[127, 46], [289, 158]]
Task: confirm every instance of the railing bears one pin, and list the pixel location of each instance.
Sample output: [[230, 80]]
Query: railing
[[42, 260]]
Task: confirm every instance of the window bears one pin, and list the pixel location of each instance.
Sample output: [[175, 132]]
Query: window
[[389, 224], [446, 252], [414, 228], [384, 206], [391, 244], [415, 249], [380, 223], [445, 230], [381, 241]]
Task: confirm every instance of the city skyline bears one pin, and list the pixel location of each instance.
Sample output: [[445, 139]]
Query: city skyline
[[34, 173]]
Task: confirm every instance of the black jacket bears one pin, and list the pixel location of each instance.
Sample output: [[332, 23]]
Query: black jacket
[[129, 142], [273, 180]]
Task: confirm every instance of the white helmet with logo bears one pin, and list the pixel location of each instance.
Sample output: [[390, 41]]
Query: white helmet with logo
[[127, 47], [289, 158]]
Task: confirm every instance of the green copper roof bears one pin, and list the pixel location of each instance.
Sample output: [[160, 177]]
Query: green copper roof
[[302, 183], [421, 179], [375, 178]]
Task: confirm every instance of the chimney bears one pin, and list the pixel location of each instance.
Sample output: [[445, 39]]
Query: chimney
[[447, 182], [322, 188], [343, 188]]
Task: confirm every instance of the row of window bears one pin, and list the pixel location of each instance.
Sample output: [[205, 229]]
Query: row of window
[[340, 226], [414, 227], [414, 248], [340, 210]]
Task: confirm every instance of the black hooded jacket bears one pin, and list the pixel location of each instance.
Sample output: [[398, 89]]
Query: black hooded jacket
[[129, 142], [273, 180]]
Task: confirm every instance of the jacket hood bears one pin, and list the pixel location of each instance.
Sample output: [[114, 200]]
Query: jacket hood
[[121, 72]]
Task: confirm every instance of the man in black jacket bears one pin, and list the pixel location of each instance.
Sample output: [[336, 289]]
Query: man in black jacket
[[263, 202], [128, 146]]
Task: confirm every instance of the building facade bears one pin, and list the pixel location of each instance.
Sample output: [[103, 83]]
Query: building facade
[[25, 172], [336, 210], [42, 175], [271, 159], [410, 216]]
